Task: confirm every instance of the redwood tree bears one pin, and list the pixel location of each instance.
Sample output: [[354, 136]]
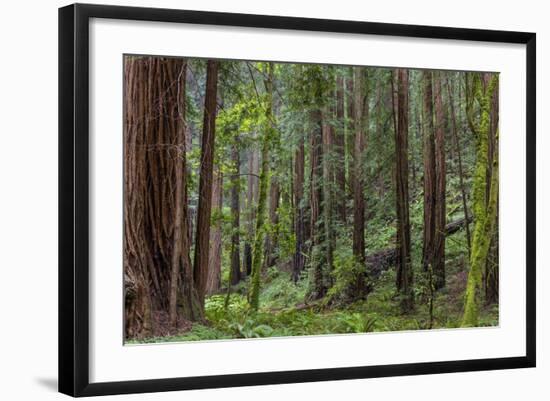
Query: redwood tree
[[202, 241], [358, 176], [440, 187], [299, 219], [157, 271], [404, 278], [215, 254], [429, 174]]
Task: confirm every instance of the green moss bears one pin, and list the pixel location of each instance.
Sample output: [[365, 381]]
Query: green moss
[[484, 213]]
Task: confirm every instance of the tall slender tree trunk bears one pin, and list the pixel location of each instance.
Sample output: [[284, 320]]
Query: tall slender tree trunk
[[350, 130], [358, 150], [440, 187], [235, 271], [380, 137], [251, 200], [318, 256], [460, 167], [205, 182], [328, 184], [429, 174], [491, 276], [215, 257], [404, 262], [339, 151], [272, 237], [299, 170]]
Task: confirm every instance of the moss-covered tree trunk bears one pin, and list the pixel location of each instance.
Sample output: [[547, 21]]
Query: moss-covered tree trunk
[[261, 211], [491, 276], [485, 211]]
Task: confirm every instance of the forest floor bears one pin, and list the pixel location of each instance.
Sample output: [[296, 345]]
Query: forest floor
[[283, 312]]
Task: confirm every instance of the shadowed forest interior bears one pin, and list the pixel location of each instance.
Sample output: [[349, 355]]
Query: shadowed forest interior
[[270, 199]]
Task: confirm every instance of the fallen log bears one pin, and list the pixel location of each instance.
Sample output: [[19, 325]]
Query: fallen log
[[382, 260], [455, 226]]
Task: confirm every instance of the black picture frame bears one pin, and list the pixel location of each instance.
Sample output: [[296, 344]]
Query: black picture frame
[[74, 198]]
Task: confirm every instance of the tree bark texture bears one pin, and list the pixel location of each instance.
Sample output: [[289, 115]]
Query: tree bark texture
[[202, 240], [157, 269]]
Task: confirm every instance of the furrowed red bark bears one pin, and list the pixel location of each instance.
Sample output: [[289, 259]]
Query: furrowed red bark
[[180, 218], [156, 245]]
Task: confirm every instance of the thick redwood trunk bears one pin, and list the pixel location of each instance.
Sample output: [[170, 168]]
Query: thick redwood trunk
[[157, 272], [205, 182], [180, 200]]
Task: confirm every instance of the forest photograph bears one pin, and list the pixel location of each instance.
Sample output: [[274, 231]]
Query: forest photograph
[[275, 199]]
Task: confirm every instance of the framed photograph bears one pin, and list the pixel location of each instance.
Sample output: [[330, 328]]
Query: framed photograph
[[250, 199]]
